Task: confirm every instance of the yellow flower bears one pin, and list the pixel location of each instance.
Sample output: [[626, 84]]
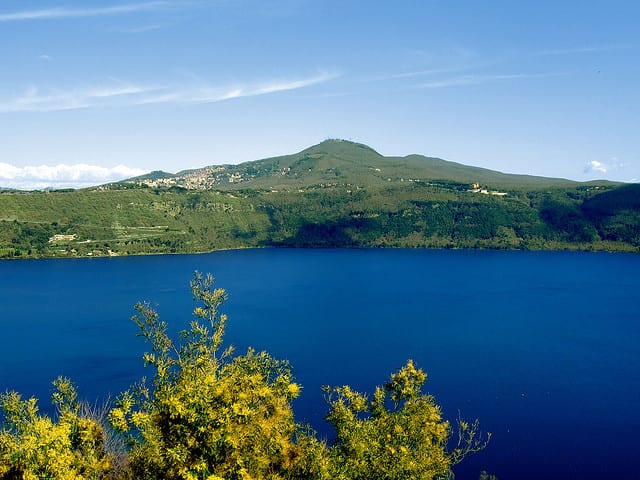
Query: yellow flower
[[294, 390]]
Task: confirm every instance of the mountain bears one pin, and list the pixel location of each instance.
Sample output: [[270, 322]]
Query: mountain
[[342, 162], [334, 194]]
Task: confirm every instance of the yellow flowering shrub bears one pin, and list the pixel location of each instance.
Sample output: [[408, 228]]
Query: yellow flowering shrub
[[33, 446], [209, 414], [377, 441], [397, 435]]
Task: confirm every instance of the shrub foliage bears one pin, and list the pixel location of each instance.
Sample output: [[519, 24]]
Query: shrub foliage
[[33, 446], [211, 414]]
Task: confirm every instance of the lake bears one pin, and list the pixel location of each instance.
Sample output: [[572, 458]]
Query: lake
[[542, 347]]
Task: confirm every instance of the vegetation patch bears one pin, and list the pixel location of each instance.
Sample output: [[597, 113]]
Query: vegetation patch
[[209, 413], [336, 194]]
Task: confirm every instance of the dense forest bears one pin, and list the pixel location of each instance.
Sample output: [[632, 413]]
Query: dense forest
[[336, 194]]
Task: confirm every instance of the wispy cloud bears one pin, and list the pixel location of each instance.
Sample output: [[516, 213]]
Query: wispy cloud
[[448, 62], [214, 93], [127, 95], [33, 100], [573, 51], [475, 79], [417, 73], [58, 13], [62, 175]]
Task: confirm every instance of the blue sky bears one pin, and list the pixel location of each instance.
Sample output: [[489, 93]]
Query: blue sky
[[94, 91]]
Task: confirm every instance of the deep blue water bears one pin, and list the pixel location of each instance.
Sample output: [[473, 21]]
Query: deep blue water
[[542, 347]]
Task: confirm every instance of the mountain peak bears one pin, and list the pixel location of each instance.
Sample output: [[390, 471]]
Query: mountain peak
[[339, 162], [337, 146]]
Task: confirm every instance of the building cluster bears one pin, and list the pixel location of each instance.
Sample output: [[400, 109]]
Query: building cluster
[[202, 179], [475, 188]]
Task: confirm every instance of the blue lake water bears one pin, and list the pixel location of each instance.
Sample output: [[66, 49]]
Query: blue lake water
[[542, 347]]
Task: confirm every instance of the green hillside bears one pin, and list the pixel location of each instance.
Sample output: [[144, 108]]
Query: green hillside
[[334, 194], [343, 163]]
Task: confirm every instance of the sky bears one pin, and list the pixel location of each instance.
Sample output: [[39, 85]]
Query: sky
[[92, 92]]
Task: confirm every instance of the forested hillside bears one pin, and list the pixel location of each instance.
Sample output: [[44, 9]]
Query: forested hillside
[[336, 194]]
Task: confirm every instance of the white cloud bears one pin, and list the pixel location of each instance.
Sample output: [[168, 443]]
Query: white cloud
[[612, 167], [213, 94], [125, 95], [55, 13], [32, 100], [217, 94], [419, 73], [62, 175], [595, 166], [464, 80]]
